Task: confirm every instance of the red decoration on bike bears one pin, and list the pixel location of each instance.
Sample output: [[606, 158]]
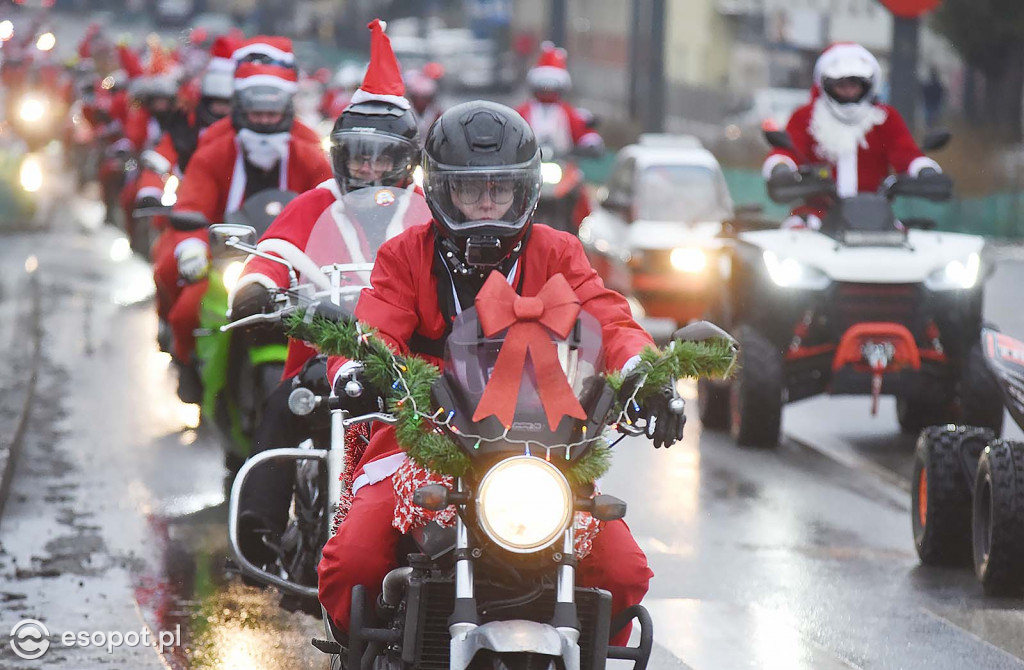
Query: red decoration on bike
[[910, 9], [529, 322]]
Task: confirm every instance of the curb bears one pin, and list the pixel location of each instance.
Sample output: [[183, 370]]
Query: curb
[[35, 332], [853, 462]]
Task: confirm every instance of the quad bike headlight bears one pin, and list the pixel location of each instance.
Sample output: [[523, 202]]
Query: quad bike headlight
[[231, 274], [959, 274], [32, 109], [524, 504], [791, 273], [550, 173], [689, 260], [170, 194]]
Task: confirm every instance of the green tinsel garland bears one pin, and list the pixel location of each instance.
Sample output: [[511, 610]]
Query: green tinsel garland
[[434, 450]]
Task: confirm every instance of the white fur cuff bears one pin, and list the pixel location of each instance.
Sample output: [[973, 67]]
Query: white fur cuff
[[776, 159], [920, 163]]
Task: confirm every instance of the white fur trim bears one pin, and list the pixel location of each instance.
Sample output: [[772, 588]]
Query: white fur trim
[[920, 163], [628, 366], [364, 96], [299, 260], [378, 471], [332, 186], [254, 278], [155, 161], [189, 244], [237, 189], [153, 191], [847, 177], [221, 65], [266, 49], [266, 80], [537, 76], [774, 160]]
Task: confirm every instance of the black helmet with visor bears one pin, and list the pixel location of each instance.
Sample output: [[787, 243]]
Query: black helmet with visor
[[374, 143], [482, 181]]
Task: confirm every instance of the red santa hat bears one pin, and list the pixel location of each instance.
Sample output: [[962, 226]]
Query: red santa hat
[[276, 48], [258, 74], [219, 78], [383, 80], [551, 68]]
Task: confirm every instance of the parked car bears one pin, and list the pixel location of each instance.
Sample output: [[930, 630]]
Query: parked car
[[655, 232]]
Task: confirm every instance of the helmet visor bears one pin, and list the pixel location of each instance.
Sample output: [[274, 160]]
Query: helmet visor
[[467, 197], [263, 99], [846, 90], [373, 158]]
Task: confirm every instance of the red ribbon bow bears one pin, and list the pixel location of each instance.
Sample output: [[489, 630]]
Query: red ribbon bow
[[529, 321]]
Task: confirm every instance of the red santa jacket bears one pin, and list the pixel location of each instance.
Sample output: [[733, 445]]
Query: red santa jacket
[[861, 156], [289, 238], [557, 124], [214, 181], [403, 302]]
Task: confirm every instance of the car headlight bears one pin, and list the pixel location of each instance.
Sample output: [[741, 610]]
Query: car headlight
[[689, 260], [524, 504], [170, 194], [959, 274], [550, 173], [791, 273], [231, 275], [32, 110]]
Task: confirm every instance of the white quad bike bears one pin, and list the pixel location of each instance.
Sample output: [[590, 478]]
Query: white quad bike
[[866, 305]]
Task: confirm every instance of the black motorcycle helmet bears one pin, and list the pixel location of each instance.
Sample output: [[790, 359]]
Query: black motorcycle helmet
[[378, 133], [482, 180], [262, 98]]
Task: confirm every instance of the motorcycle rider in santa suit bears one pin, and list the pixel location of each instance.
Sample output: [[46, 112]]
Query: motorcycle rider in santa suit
[[843, 126], [258, 153], [374, 143], [482, 182]]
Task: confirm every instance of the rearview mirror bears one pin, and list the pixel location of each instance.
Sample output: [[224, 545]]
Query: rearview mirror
[[699, 331], [779, 139], [224, 237], [935, 139]]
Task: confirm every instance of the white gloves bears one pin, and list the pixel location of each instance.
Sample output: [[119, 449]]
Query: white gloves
[[193, 260]]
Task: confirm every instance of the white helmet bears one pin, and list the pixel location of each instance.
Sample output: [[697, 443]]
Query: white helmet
[[847, 61]]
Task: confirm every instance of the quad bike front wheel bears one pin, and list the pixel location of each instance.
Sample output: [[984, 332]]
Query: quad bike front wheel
[[756, 391], [941, 494], [713, 403], [998, 519]]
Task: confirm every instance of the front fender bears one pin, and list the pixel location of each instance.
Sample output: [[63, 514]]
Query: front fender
[[511, 637]]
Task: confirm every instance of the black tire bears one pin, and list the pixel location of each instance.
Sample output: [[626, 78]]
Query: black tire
[[940, 508], [756, 391], [999, 519], [981, 399], [713, 404], [915, 415]]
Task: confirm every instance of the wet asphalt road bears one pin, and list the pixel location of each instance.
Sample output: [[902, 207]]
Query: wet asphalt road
[[783, 559]]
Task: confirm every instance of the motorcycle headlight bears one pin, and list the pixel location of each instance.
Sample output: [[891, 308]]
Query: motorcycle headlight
[[231, 274], [959, 274], [524, 504], [31, 173], [32, 110], [689, 260], [170, 195], [550, 173], [791, 273]]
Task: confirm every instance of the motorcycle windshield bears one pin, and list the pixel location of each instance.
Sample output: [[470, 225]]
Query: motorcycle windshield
[[470, 359], [345, 238]]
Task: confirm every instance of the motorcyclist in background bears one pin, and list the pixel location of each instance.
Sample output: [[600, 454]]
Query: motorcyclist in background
[[482, 171], [555, 122], [422, 88], [374, 143], [844, 127], [258, 152]]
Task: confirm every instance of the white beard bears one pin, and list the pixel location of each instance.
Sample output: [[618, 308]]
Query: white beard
[[264, 150], [834, 138]]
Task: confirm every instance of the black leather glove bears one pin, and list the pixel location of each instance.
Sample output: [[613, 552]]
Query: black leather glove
[[663, 412], [355, 392], [251, 299]]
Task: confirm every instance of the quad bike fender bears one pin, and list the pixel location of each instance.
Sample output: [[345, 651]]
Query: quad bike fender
[[850, 349], [515, 637]]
